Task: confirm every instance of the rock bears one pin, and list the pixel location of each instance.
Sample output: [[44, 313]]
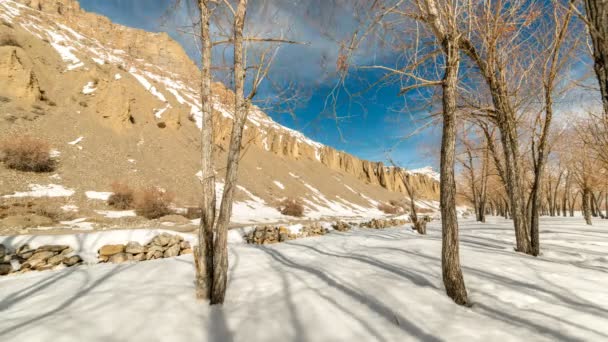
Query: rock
[[111, 249], [283, 234], [158, 255], [154, 248], [53, 248], [71, 261], [56, 260], [134, 248], [185, 251], [23, 248], [2, 251], [139, 257], [5, 268], [26, 254], [41, 255], [162, 240], [341, 226], [67, 251], [172, 251], [175, 240], [184, 245], [120, 258], [103, 258]]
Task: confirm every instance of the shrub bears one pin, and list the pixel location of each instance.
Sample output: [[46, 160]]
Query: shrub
[[27, 154], [387, 208], [153, 203], [122, 196], [291, 207]]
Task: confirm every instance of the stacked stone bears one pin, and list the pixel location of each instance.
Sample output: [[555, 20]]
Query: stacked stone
[[312, 230], [46, 257], [164, 245], [269, 234], [341, 226], [382, 223]]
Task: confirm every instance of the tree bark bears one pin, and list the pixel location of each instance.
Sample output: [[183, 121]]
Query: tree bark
[[586, 205], [241, 107], [597, 17], [204, 252], [450, 257]]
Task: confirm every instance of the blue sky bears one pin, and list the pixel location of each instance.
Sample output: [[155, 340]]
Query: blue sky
[[370, 125]]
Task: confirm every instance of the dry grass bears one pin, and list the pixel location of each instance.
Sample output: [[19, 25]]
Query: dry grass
[[153, 203], [25, 153], [43, 207], [291, 207], [388, 209], [122, 196]]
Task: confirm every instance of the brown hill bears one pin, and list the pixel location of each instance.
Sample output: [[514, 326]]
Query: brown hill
[[121, 104]]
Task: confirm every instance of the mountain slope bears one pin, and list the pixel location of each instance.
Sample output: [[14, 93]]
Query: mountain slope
[[121, 104]]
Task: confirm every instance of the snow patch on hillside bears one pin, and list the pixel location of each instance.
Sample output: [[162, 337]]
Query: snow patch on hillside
[[50, 190], [427, 171]]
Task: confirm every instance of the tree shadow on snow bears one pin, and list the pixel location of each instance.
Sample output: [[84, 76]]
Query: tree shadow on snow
[[378, 307]]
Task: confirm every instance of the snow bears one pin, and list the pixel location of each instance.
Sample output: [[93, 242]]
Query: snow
[[116, 213], [89, 88], [50, 190], [54, 153], [427, 171], [117, 77], [98, 195], [146, 84], [79, 139], [158, 113], [69, 208], [279, 184], [362, 285]]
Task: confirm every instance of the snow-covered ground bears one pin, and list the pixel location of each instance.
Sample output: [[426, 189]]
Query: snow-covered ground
[[362, 285]]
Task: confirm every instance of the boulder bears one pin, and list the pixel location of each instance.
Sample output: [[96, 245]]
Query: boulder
[[103, 258], [71, 261], [162, 239], [172, 251], [111, 249], [56, 260], [120, 258], [2, 251], [26, 254], [154, 248], [139, 257], [185, 251], [175, 240], [53, 248], [67, 251], [5, 268], [184, 245], [134, 248], [43, 255]]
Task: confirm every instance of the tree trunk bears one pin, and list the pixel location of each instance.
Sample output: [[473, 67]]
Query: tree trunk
[[450, 258], [241, 107], [204, 252], [597, 16], [586, 205]]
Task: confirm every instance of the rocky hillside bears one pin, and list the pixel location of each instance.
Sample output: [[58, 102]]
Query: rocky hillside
[[122, 104]]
